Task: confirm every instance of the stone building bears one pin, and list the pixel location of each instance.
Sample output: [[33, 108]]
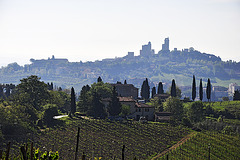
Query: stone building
[[126, 90]]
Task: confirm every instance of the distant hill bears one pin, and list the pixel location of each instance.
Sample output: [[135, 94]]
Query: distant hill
[[163, 66]]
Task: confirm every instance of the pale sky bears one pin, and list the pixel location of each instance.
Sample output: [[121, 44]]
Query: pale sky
[[89, 30]]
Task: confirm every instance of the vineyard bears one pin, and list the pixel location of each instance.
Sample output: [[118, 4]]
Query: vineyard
[[102, 138], [206, 145]]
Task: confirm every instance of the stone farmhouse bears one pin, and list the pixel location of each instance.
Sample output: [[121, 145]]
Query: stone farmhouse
[[136, 109], [126, 90]]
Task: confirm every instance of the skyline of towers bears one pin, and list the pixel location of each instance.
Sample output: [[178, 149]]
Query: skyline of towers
[[165, 46], [147, 50]]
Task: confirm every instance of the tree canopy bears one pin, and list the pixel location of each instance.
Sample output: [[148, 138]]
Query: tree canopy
[[32, 92], [175, 106], [195, 111]]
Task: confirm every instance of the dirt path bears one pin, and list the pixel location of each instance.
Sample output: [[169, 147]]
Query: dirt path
[[183, 140]]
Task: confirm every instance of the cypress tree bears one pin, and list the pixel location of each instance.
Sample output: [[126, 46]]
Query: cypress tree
[[125, 82], [236, 96], [208, 90], [1, 91], [193, 89], [145, 89], [115, 105], [7, 93], [60, 89], [51, 86], [201, 90], [73, 101], [160, 88], [99, 79], [173, 89], [153, 91]]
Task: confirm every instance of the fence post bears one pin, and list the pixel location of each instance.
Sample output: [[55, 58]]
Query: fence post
[[83, 156], [8, 150], [1, 154], [24, 153], [123, 149], [31, 152], [77, 143], [209, 151]]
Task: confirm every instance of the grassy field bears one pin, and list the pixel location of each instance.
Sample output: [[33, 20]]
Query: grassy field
[[220, 146]]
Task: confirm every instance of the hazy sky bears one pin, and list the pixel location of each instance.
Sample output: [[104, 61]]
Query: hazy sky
[[88, 30]]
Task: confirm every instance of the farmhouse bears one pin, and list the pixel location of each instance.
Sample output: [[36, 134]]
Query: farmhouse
[[136, 109], [144, 110], [126, 90]]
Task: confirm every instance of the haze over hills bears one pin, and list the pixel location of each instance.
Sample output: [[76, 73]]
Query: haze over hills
[[164, 66]]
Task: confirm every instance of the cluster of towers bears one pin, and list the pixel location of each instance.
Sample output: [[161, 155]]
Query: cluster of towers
[[147, 50]]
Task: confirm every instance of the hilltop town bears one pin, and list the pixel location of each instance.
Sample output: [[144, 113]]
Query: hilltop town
[[161, 66]]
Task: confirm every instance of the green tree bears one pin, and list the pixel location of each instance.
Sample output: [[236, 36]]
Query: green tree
[[160, 88], [153, 91], [32, 92], [99, 79], [175, 106], [14, 119], [195, 111], [103, 89], [114, 105], [157, 103], [225, 98], [61, 99], [145, 90], [84, 99], [194, 88], [73, 101], [50, 110], [1, 91], [96, 109], [125, 110], [173, 89], [208, 90], [201, 90], [236, 96]]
